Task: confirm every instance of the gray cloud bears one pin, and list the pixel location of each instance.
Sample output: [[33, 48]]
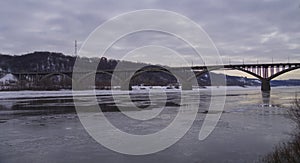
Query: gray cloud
[[250, 30]]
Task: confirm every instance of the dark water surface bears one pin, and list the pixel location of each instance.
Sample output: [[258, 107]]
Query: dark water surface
[[44, 127]]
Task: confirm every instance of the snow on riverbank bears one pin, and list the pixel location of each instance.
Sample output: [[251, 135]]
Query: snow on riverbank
[[65, 93], [136, 89], [8, 78]]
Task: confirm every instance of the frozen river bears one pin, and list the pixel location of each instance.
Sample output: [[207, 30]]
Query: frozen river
[[43, 126]]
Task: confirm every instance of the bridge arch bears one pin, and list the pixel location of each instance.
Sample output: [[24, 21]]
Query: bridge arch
[[55, 74], [200, 73], [248, 72], [139, 72], [283, 72], [265, 72]]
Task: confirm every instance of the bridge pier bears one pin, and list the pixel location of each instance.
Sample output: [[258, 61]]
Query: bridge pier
[[186, 85], [125, 86], [265, 85]]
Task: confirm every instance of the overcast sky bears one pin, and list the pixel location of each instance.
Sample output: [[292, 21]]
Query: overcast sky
[[242, 30]]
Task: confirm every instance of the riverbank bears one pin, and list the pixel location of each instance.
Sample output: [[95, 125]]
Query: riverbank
[[288, 151]]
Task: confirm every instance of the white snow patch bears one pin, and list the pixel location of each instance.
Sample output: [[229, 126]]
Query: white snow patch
[[241, 80], [8, 78], [257, 81]]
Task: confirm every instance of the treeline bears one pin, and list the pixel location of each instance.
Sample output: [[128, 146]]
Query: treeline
[[53, 62]]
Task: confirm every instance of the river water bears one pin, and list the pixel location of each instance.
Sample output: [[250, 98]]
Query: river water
[[42, 126]]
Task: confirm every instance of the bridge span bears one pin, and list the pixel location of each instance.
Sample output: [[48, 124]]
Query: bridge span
[[264, 72]]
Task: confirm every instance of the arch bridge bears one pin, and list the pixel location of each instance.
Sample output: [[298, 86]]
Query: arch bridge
[[264, 72]]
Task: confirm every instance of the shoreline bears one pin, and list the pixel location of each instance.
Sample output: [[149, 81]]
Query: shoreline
[[138, 88]]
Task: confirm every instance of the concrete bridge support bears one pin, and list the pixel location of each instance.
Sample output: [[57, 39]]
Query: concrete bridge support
[[125, 86], [265, 85], [187, 85]]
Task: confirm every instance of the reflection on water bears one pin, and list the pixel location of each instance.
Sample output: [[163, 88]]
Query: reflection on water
[[266, 98], [7, 105], [43, 125]]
